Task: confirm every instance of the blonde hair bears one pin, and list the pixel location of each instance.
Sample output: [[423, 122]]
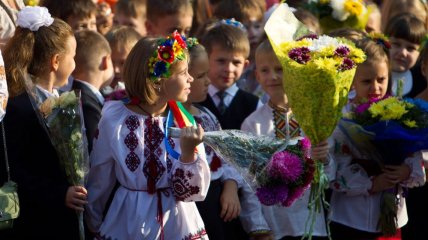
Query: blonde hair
[[228, 37], [30, 52], [264, 48], [133, 8], [91, 47], [122, 37], [136, 73], [348, 33]]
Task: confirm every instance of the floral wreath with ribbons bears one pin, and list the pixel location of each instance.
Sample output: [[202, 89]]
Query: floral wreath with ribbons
[[169, 51]]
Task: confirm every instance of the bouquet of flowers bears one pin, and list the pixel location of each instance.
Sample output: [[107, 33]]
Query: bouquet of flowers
[[280, 171], [64, 121], [388, 130], [333, 14], [318, 73]]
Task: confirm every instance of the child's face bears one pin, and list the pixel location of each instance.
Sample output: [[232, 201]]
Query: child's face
[[225, 67], [177, 87], [137, 23], [199, 71], [371, 80], [65, 64], [89, 23], [164, 26], [403, 54], [255, 31], [118, 57], [269, 74]]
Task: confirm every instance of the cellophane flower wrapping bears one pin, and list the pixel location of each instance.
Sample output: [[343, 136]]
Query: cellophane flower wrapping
[[279, 171], [388, 130], [318, 73], [335, 14], [64, 119]]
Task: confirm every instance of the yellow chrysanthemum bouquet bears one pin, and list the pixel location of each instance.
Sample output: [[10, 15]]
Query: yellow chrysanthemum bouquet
[[333, 14], [318, 73]]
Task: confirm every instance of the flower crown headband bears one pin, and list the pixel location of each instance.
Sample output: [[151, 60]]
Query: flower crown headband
[[169, 51], [33, 18], [380, 39], [232, 22]]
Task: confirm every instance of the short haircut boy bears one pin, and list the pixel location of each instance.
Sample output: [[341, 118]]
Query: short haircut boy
[[91, 47], [69, 10], [227, 37], [264, 48], [241, 10], [123, 37], [132, 13], [177, 13]]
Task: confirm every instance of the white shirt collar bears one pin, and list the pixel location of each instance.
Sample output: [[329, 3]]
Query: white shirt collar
[[232, 90], [48, 94], [93, 89]]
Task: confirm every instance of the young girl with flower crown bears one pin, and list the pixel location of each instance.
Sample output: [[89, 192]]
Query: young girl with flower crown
[[359, 185], [222, 205], [159, 177], [39, 56]]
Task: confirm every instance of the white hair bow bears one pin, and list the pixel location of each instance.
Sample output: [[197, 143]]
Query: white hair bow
[[34, 17]]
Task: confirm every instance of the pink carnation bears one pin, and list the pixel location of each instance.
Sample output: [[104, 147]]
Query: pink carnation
[[305, 143], [293, 196]]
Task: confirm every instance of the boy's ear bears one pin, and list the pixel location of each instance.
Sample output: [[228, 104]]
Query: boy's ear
[[55, 62], [246, 63], [105, 61]]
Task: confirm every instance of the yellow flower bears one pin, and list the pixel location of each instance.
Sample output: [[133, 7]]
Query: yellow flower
[[410, 123], [354, 7], [178, 50], [324, 1], [394, 111]]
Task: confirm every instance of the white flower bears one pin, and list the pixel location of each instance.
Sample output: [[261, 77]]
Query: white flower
[[339, 12], [67, 98], [34, 17], [322, 42]]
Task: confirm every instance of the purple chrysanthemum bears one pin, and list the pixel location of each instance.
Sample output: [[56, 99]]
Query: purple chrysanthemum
[[342, 51], [347, 64], [286, 166], [300, 55], [266, 196], [305, 143], [272, 195]]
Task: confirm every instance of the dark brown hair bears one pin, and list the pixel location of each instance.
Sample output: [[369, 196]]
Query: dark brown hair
[[406, 26], [133, 8], [241, 10], [160, 8], [64, 9]]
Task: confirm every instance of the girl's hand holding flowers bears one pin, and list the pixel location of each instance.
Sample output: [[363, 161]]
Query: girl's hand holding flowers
[[397, 174], [190, 137], [76, 198]]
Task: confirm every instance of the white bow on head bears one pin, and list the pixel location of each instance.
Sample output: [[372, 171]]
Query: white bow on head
[[34, 17]]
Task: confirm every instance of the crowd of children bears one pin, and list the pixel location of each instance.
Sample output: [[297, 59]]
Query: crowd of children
[[132, 60]]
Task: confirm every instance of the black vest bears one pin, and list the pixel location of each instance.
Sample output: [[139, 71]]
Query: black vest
[[419, 82], [242, 105]]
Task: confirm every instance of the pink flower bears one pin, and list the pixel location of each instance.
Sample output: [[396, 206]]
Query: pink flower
[[286, 166], [305, 143]]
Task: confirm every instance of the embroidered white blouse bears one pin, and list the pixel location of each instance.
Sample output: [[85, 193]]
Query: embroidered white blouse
[[284, 221], [351, 204], [251, 214], [156, 193]]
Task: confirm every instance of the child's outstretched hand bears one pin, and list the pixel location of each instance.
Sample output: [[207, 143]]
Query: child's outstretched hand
[[320, 151], [229, 201], [190, 137], [75, 198], [398, 173]]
